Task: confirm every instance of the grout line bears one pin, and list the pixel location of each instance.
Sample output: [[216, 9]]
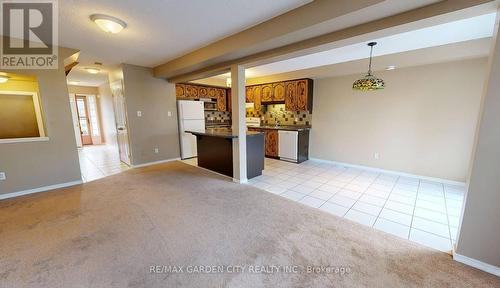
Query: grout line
[[414, 207], [387, 199]]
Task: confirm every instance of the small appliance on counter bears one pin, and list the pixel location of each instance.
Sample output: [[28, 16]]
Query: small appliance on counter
[[253, 121]]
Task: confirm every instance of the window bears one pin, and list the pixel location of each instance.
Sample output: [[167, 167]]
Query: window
[[21, 116]]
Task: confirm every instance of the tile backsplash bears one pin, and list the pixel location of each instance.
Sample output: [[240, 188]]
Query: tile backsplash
[[270, 114], [217, 116]]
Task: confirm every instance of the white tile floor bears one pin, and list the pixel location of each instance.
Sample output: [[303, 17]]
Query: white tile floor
[[99, 161], [411, 208]]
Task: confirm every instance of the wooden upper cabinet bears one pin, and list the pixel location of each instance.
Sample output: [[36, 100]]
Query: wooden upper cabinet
[[272, 143], [221, 102], [291, 95], [302, 95], [257, 103], [267, 93], [249, 94], [192, 91], [211, 92], [228, 93], [279, 91], [180, 90], [257, 96], [203, 92]]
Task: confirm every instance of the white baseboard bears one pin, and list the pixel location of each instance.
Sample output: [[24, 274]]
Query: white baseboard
[[433, 179], [477, 264], [155, 162], [39, 189], [241, 181]]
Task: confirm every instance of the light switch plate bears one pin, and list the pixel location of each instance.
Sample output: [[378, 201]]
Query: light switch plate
[[2, 176], [169, 114], [139, 113], [157, 150]]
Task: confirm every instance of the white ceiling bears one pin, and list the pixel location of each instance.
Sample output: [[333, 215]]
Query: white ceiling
[[453, 32], [157, 30]]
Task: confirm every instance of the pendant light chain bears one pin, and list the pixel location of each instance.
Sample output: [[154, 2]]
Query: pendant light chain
[[369, 82], [370, 65]]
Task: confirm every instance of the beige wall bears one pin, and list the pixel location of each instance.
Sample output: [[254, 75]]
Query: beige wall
[[82, 89], [479, 236], [423, 122], [37, 164], [107, 114], [155, 129]]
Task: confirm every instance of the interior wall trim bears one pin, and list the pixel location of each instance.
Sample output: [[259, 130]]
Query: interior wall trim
[[476, 264], [39, 189], [155, 162], [432, 179]]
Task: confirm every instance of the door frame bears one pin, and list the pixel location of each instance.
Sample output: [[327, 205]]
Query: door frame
[[86, 104], [118, 84]]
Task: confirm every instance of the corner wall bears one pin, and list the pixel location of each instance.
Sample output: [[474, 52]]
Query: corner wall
[[31, 165], [108, 122], [154, 129], [479, 233], [423, 123]]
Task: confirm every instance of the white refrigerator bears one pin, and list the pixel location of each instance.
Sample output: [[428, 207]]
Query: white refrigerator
[[191, 117]]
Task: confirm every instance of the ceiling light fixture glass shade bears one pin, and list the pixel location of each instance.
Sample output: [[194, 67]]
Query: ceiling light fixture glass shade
[[108, 23], [4, 78], [93, 70], [228, 82], [369, 82]]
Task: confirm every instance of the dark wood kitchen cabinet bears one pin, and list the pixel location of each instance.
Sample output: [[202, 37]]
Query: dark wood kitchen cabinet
[[267, 93], [257, 97], [186, 91], [272, 143], [249, 94], [221, 99], [180, 90], [279, 91], [291, 96]]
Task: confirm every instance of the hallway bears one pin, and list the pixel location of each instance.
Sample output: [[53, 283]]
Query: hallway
[[99, 161]]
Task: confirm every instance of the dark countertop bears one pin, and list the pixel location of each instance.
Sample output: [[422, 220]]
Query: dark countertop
[[221, 132], [283, 127]]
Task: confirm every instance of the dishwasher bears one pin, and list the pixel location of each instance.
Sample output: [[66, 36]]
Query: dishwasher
[[288, 145]]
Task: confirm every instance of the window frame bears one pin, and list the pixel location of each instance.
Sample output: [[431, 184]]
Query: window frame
[[38, 114]]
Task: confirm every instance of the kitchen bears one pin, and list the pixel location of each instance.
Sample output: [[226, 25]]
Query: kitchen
[[279, 111]]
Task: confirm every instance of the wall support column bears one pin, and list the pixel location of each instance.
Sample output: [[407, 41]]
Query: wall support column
[[238, 116], [479, 233]]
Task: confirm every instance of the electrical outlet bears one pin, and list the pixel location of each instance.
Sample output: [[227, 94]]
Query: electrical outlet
[[2, 176], [139, 113], [169, 114], [157, 150], [376, 156]]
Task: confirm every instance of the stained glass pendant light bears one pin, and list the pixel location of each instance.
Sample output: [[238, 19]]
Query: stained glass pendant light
[[369, 82]]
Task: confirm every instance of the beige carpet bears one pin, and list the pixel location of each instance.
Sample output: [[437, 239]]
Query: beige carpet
[[109, 232]]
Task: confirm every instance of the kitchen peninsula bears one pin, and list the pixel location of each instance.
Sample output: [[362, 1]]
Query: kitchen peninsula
[[215, 151]]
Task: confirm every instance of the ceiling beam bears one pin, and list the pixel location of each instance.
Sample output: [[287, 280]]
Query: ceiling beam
[[278, 28], [393, 24]]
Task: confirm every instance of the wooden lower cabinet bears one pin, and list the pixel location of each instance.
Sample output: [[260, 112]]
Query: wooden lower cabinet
[[272, 143]]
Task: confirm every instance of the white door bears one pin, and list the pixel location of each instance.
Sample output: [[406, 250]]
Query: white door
[[76, 124], [121, 121]]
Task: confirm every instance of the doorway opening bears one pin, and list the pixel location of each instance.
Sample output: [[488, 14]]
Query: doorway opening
[[100, 124]]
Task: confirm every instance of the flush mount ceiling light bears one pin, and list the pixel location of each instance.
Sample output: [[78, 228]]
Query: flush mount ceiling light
[[369, 82], [92, 70], [4, 78], [108, 23], [228, 82], [391, 67]]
